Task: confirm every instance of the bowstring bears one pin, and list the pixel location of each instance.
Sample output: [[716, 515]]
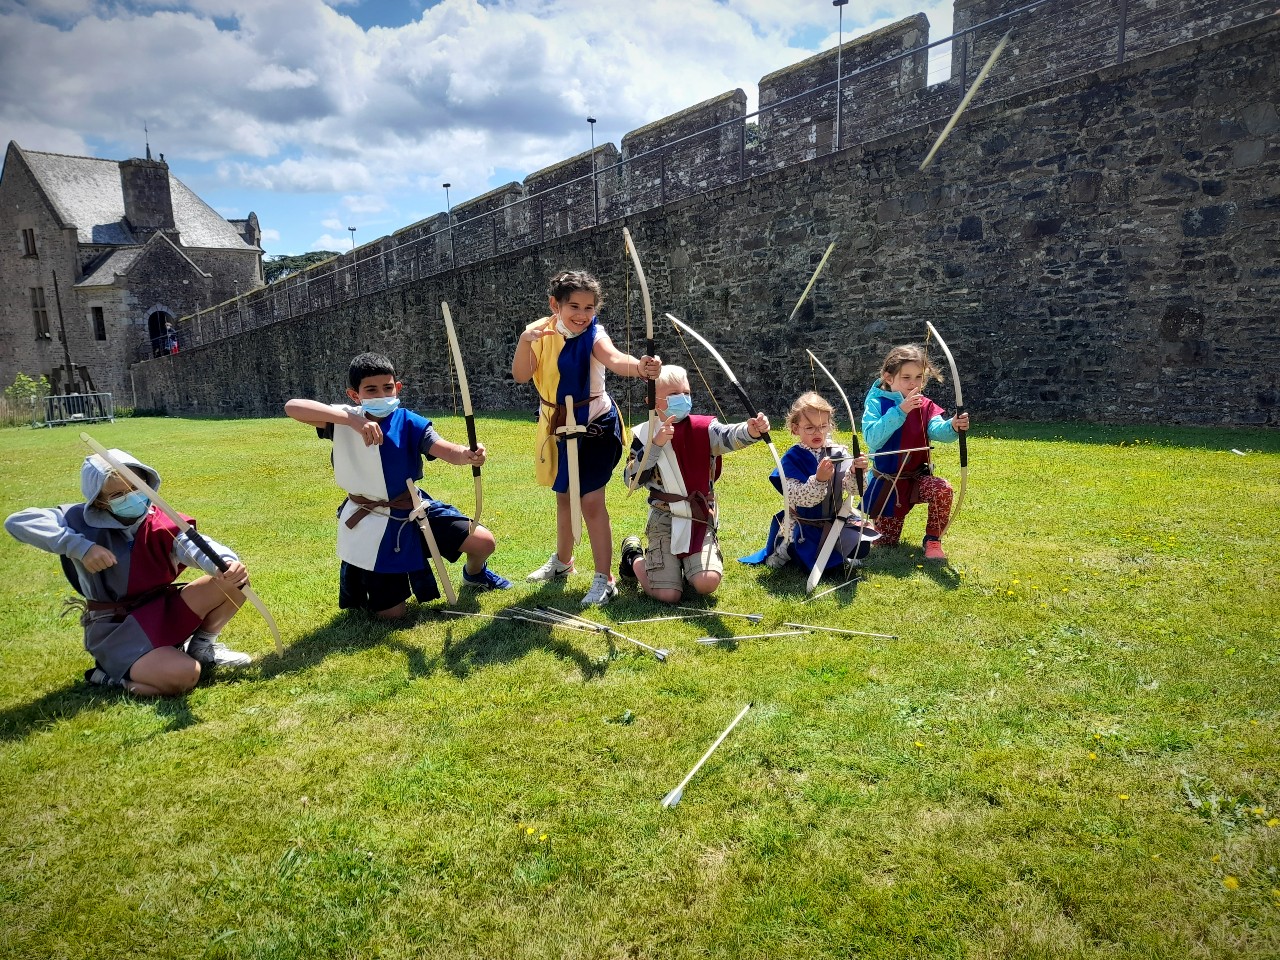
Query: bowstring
[[626, 271], [711, 393]]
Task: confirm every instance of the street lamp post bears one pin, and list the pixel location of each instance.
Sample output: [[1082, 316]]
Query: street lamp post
[[839, 5], [353, 237], [595, 192], [453, 254]]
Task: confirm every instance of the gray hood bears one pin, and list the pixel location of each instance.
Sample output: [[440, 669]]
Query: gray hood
[[93, 476]]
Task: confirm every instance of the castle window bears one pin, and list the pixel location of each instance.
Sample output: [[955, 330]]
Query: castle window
[[29, 242], [39, 314], [99, 324]]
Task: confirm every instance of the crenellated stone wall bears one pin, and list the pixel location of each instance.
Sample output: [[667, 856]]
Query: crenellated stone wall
[[1103, 248]]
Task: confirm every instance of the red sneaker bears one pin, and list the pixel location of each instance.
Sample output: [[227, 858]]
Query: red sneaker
[[933, 550]]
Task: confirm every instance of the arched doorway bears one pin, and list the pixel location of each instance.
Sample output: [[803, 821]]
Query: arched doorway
[[158, 330]]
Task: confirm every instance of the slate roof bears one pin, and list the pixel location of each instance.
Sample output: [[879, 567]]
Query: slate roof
[[86, 193]]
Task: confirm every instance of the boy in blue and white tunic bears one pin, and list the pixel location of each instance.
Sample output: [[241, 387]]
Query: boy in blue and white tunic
[[378, 447]]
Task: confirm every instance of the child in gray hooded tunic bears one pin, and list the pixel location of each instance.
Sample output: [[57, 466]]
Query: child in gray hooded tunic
[[145, 632]]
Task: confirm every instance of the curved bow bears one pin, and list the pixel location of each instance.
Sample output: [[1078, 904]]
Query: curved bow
[[964, 450], [467, 413], [651, 387], [747, 405], [853, 424], [203, 544]]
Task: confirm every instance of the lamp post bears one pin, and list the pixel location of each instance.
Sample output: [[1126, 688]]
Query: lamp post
[[453, 254], [839, 5], [595, 193], [353, 237]]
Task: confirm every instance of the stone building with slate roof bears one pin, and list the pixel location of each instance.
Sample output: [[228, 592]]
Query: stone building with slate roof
[[106, 253]]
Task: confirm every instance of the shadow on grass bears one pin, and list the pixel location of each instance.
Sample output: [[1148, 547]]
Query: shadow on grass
[[348, 631], [1220, 439], [483, 641], [77, 697], [503, 641]]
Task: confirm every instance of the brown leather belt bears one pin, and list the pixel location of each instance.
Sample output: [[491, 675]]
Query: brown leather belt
[[366, 506]]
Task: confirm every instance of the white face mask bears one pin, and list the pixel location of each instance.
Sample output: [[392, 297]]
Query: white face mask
[[563, 330]]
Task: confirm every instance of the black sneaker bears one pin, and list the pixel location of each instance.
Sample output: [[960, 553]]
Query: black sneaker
[[631, 552], [95, 676]]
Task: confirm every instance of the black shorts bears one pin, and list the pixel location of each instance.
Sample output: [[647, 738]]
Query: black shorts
[[360, 589]]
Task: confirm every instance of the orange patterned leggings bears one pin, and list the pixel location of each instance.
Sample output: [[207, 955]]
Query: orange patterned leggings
[[934, 491]]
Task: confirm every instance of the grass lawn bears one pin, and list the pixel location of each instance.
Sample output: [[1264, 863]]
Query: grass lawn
[[1070, 750]]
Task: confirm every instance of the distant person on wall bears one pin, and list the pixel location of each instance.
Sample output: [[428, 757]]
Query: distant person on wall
[[898, 416], [378, 447], [170, 338], [680, 471], [146, 633], [565, 355], [817, 475]]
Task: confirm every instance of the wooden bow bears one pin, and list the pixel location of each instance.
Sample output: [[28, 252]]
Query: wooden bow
[[141, 485], [964, 450], [467, 412], [750, 407], [651, 387]]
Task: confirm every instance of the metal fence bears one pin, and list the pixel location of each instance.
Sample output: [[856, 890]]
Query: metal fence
[[61, 409], [1057, 39]]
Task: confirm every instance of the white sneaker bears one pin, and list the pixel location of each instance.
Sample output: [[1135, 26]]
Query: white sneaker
[[553, 569], [602, 591], [215, 653]]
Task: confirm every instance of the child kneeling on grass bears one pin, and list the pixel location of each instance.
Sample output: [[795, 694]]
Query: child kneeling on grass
[[378, 447], [818, 475], [897, 416], [146, 633], [680, 471]]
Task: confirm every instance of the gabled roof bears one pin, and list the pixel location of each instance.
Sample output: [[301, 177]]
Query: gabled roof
[[86, 193], [118, 263]]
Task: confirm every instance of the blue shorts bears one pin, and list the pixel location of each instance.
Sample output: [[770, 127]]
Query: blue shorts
[[360, 589]]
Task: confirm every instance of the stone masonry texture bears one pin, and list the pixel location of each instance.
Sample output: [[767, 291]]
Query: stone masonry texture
[[1105, 247]]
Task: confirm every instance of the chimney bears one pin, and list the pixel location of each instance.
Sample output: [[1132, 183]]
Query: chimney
[[148, 205]]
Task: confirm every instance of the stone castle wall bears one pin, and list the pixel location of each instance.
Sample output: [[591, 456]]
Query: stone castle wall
[[1100, 248]]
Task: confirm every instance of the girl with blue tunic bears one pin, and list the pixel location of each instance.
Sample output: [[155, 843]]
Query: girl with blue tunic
[[565, 355], [817, 476]]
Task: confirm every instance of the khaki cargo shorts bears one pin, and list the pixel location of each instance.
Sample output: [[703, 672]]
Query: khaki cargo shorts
[[665, 570]]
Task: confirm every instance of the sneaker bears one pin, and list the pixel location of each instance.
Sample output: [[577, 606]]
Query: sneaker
[[632, 550], [602, 591], [215, 653], [486, 579], [933, 550], [97, 677], [553, 569]]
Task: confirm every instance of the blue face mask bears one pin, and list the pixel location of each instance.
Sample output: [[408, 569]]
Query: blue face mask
[[679, 405], [128, 506], [380, 406]]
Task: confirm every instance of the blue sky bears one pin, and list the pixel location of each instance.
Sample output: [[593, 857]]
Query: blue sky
[[321, 115]]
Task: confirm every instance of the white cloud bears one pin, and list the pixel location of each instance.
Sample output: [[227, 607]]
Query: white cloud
[[270, 236], [327, 241], [292, 96], [365, 203], [332, 223]]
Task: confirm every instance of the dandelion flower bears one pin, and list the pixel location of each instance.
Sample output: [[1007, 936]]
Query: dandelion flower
[[529, 831], [1258, 811], [1124, 796], [919, 744], [1216, 858], [542, 838], [1273, 823], [1092, 755], [1230, 882]]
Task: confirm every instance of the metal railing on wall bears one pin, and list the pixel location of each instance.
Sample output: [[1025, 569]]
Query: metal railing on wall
[[1064, 38]]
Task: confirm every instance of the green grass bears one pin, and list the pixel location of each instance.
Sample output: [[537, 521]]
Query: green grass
[[1069, 751]]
